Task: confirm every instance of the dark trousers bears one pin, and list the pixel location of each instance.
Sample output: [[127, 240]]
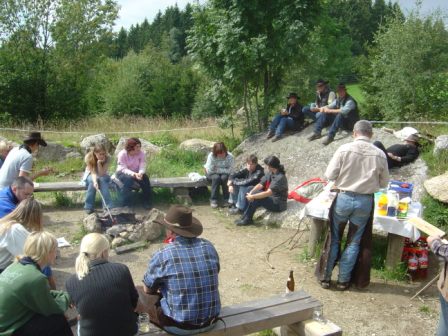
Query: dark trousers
[[390, 163], [126, 193], [336, 120], [267, 203], [39, 325], [218, 180]]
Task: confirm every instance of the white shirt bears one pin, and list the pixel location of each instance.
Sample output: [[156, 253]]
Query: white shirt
[[11, 244], [18, 159]]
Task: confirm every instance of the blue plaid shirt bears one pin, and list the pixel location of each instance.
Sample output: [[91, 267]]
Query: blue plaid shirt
[[186, 273]]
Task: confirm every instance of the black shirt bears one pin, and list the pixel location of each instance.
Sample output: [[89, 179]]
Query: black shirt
[[406, 152], [105, 298], [279, 187]]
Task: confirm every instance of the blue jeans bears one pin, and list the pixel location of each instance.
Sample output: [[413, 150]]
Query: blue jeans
[[356, 209], [280, 123], [128, 183], [267, 203], [442, 329], [103, 182], [181, 332], [312, 115], [336, 120], [238, 196]]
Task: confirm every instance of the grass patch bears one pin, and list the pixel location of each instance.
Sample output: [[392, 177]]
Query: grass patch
[[437, 165], [425, 310], [163, 196], [173, 162], [77, 237], [435, 212], [267, 332], [68, 170], [356, 92], [399, 273]]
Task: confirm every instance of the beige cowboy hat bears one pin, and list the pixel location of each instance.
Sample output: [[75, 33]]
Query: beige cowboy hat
[[180, 220]]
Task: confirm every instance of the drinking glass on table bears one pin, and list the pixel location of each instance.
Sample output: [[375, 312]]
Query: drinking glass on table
[[143, 323]]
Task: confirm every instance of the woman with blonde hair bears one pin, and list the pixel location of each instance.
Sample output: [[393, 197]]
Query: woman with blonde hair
[[5, 147], [96, 177], [103, 292], [27, 306]]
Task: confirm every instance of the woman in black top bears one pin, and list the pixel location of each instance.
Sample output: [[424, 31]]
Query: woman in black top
[[103, 293], [271, 193]]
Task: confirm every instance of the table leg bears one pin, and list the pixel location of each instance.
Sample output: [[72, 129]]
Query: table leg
[[395, 245], [316, 231]]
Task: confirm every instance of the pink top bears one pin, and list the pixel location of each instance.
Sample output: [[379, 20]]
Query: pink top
[[130, 164]]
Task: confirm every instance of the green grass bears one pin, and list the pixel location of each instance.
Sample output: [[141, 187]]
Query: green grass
[[175, 162], [355, 91], [77, 237], [437, 165], [267, 332], [67, 170], [425, 310], [435, 212], [399, 273]]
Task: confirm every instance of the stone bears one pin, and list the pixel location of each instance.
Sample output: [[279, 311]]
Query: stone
[[93, 140], [54, 152], [197, 145], [440, 144], [437, 187], [115, 230], [92, 223], [149, 148], [119, 241], [73, 155], [124, 234], [138, 234]]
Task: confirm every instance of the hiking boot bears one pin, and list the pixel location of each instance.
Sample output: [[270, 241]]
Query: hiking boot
[[235, 211], [342, 286], [277, 138], [214, 204], [325, 284], [328, 140], [315, 136], [243, 221], [270, 135]]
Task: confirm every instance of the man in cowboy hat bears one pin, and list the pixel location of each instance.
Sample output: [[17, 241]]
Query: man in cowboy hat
[[182, 278], [324, 97], [19, 161], [399, 155], [289, 118]]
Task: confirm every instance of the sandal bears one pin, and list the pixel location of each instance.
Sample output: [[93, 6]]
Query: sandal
[[325, 284], [342, 286]]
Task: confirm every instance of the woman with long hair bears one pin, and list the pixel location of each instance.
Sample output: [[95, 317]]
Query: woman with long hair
[[131, 169], [96, 177], [27, 306], [103, 292], [271, 193]]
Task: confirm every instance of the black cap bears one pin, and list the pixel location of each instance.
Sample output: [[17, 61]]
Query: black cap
[[292, 95], [321, 82]]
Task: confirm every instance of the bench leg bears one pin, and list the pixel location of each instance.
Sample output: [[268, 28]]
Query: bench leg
[[183, 195], [395, 245], [315, 328], [316, 231]]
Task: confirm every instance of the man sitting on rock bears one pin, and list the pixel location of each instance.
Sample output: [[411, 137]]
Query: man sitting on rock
[[182, 278], [342, 113], [399, 155], [241, 182], [324, 97], [20, 189], [289, 118]]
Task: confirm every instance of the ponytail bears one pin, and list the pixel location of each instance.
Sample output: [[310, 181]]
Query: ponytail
[[281, 169], [82, 265], [92, 247]]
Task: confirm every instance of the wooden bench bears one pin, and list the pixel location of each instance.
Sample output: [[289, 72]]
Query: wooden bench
[[179, 185], [292, 309]]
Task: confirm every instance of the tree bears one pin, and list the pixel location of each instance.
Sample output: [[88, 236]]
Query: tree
[[246, 46], [408, 66]]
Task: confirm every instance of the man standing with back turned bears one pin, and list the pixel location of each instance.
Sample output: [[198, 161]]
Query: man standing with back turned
[[358, 170]]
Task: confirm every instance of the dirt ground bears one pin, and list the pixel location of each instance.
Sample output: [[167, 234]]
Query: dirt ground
[[382, 309]]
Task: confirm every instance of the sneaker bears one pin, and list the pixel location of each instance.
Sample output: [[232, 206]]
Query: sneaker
[[89, 211], [270, 135], [214, 204], [315, 136], [325, 284], [328, 140], [277, 138], [235, 211], [243, 221]]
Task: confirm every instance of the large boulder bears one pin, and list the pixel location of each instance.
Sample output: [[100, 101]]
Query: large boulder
[[437, 187], [149, 148], [304, 160], [197, 145], [92, 223], [55, 152], [96, 139], [441, 144]]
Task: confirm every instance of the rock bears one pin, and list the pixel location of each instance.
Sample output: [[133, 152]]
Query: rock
[[92, 140], [197, 145], [437, 187], [92, 223], [54, 152], [304, 160], [138, 234], [119, 241], [73, 155], [124, 234], [115, 230], [440, 144], [149, 148]]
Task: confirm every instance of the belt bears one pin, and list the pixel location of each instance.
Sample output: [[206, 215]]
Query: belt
[[189, 326], [351, 192]]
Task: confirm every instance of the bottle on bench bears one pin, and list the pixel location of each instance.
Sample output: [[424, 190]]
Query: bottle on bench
[[290, 283]]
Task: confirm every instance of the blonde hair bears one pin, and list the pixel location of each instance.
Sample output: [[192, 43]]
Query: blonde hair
[[5, 146], [92, 246], [90, 158], [39, 245], [28, 213]]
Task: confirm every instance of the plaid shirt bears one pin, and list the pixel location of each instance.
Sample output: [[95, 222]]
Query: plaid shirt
[[440, 249], [186, 273]]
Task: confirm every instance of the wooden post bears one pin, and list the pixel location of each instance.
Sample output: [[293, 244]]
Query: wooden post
[[316, 231], [395, 245]]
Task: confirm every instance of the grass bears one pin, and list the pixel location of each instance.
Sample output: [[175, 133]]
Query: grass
[[435, 212], [70, 169], [425, 310], [267, 332], [355, 91], [175, 162], [77, 237], [399, 273]]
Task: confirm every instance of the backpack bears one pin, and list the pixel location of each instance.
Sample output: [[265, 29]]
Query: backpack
[[306, 191]]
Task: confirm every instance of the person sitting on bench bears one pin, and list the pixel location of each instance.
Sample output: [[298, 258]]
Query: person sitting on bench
[[271, 193], [182, 278], [324, 97], [27, 306], [21, 188], [103, 292], [399, 155], [130, 169], [290, 118]]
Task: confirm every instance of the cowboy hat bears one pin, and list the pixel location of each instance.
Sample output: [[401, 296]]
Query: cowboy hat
[[35, 137], [180, 220], [292, 95], [412, 138]]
